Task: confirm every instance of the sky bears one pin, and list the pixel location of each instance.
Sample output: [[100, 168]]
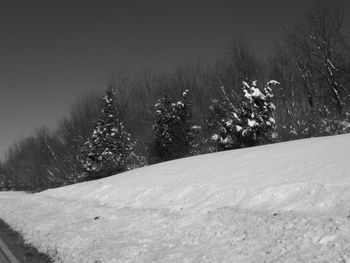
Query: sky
[[51, 52]]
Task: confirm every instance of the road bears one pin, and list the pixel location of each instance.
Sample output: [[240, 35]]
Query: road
[[6, 255], [22, 252]]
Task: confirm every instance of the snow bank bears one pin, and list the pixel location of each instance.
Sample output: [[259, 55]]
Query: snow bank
[[281, 202], [306, 175]]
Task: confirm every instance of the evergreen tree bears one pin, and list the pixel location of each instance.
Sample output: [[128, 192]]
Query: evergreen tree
[[258, 114], [225, 122], [174, 134], [249, 123], [110, 148]]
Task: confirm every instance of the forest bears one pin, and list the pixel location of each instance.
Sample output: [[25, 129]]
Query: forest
[[240, 100]]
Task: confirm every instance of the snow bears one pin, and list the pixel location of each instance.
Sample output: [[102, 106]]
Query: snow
[[196, 128], [286, 202], [273, 82], [180, 104], [215, 137], [238, 128], [253, 92], [331, 64], [229, 123], [252, 123]]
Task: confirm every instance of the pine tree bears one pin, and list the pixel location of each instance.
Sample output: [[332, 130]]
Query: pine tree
[[174, 133], [225, 121], [249, 123], [110, 148], [257, 115]]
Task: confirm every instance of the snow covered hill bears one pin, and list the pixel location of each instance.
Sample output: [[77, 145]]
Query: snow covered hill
[[287, 202]]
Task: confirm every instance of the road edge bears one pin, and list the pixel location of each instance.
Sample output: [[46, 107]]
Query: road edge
[[7, 252]]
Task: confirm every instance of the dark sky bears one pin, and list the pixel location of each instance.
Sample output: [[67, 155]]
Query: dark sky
[[52, 51]]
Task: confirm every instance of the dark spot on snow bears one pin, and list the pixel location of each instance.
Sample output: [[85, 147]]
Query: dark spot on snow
[[97, 217], [275, 214]]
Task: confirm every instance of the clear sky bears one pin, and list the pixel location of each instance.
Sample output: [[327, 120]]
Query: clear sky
[[52, 51]]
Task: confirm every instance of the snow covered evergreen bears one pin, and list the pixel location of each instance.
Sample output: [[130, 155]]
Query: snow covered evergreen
[[258, 114], [110, 148], [249, 123], [174, 133]]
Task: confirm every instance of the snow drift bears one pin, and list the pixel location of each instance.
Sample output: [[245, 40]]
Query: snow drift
[[281, 202]]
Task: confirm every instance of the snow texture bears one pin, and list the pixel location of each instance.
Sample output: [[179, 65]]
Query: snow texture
[[287, 202]]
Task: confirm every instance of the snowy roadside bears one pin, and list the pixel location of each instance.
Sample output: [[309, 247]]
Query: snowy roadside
[[94, 233], [287, 202], [20, 251]]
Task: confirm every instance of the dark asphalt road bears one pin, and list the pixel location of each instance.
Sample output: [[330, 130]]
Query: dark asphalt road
[[6, 255]]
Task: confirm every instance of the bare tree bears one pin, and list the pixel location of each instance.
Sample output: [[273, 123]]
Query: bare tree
[[238, 63], [319, 49], [73, 131]]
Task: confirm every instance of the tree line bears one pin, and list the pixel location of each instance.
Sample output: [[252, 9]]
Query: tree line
[[302, 90]]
